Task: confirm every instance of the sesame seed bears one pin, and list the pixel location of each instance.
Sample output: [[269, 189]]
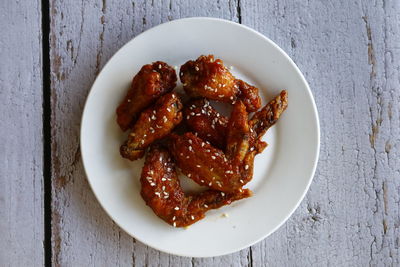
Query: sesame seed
[[196, 68], [198, 114], [192, 113], [165, 193], [167, 196], [211, 169], [202, 181], [187, 157], [163, 187], [246, 167], [187, 117], [198, 166], [202, 144], [189, 175], [181, 154], [169, 110], [176, 208], [173, 218], [158, 194], [174, 224], [153, 118], [163, 179], [159, 66], [129, 100], [205, 205], [158, 127], [208, 150], [151, 172], [213, 157], [165, 119], [192, 217], [181, 74], [225, 215], [252, 148], [142, 142], [222, 194], [220, 96], [152, 184], [241, 181], [210, 184]]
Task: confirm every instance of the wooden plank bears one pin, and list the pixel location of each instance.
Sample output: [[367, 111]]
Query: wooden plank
[[83, 37], [21, 144], [349, 52]]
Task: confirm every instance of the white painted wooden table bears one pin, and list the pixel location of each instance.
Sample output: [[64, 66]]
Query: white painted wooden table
[[50, 54]]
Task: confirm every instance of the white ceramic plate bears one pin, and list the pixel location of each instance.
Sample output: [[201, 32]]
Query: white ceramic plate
[[283, 172]]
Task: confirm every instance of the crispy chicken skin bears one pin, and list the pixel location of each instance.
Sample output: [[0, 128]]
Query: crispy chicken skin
[[204, 120], [162, 192], [151, 82], [154, 123], [207, 165], [208, 77]]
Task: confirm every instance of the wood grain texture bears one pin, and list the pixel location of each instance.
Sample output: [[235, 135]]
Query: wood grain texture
[[21, 144], [83, 37], [349, 53]]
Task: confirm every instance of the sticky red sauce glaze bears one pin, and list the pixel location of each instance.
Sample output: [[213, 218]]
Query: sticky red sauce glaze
[[151, 82], [154, 123], [207, 122], [162, 192], [208, 77]]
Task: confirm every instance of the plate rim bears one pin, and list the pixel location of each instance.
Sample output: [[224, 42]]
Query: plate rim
[[315, 119]]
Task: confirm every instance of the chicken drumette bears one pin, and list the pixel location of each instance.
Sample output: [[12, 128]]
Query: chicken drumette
[[208, 77], [151, 82], [162, 192], [153, 124]]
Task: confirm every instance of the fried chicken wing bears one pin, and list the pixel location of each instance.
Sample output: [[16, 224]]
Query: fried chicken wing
[[162, 192], [259, 124], [269, 114], [151, 82], [154, 123], [239, 137], [204, 120], [208, 77], [249, 95], [207, 165]]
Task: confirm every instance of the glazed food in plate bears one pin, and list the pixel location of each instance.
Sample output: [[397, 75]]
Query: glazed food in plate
[[213, 150]]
